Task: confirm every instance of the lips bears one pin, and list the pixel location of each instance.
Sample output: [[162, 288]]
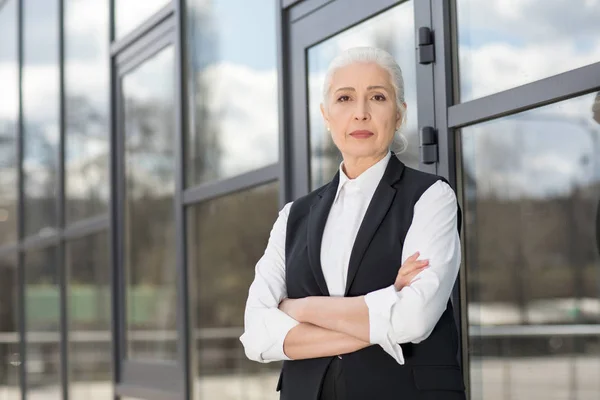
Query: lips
[[361, 134]]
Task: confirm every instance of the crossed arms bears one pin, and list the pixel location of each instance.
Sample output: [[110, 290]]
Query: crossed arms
[[277, 328]]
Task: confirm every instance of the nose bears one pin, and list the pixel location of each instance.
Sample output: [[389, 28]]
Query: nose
[[362, 111]]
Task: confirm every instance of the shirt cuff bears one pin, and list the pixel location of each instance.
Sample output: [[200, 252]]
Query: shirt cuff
[[380, 304], [279, 325]]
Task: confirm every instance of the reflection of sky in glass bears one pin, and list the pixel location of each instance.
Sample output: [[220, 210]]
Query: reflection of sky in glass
[[229, 18], [540, 153], [40, 87], [149, 125], [524, 41], [129, 14], [233, 57], [149, 141], [394, 32], [87, 95]]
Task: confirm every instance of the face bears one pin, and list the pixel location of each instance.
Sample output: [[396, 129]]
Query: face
[[361, 110]]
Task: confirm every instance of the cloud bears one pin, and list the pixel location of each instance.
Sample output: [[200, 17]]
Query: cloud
[[130, 14], [539, 153], [247, 100], [524, 41], [538, 21]]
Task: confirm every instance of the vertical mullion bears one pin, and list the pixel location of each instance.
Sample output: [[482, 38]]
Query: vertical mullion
[[61, 259], [282, 80], [425, 84], [113, 241], [444, 95], [20, 208], [299, 156], [183, 327]]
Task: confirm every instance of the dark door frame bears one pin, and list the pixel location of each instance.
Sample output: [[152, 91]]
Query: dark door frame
[[141, 378], [309, 22]]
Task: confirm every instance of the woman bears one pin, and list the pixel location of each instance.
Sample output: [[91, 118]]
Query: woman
[[329, 297]]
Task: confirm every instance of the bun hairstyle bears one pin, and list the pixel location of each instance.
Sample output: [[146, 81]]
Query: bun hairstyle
[[385, 61]]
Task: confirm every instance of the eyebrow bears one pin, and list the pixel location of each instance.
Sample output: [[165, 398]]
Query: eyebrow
[[368, 88]]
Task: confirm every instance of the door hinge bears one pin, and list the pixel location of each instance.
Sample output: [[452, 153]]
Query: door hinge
[[429, 145], [426, 51]]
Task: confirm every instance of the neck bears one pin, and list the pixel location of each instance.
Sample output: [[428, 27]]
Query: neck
[[354, 166]]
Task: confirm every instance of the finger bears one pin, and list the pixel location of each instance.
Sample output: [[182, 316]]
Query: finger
[[409, 278], [413, 257], [410, 266], [413, 270]]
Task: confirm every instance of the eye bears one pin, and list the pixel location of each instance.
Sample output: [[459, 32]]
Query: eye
[[379, 97], [343, 98]]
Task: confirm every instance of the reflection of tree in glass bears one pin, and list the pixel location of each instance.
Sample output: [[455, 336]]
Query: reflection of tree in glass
[[204, 149], [228, 237], [149, 174], [86, 159], [529, 247], [8, 320], [8, 182], [40, 176]]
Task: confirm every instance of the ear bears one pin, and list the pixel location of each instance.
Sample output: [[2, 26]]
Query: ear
[[399, 116], [325, 115]]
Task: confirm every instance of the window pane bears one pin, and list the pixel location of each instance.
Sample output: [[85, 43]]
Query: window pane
[[88, 301], [532, 195], [129, 14], [9, 113], [42, 312], [86, 108], [40, 114], [227, 236], [392, 31], [235, 121], [149, 209], [524, 41], [9, 330]]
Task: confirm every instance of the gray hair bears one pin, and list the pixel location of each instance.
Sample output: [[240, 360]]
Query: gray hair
[[386, 61]]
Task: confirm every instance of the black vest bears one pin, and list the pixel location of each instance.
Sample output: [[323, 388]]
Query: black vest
[[431, 366]]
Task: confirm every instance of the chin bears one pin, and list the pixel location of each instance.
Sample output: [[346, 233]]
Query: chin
[[361, 151]]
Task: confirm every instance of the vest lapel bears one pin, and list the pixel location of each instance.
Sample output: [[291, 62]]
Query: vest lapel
[[317, 218], [378, 208]]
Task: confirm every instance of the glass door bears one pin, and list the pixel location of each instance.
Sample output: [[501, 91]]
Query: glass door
[[316, 39], [147, 224], [317, 33]]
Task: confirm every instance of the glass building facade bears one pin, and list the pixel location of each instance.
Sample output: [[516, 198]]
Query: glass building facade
[[147, 146]]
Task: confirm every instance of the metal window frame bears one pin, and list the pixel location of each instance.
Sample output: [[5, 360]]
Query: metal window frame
[[444, 96], [306, 7], [184, 344], [536, 94], [117, 45], [451, 115], [62, 233], [61, 212], [21, 212], [147, 378]]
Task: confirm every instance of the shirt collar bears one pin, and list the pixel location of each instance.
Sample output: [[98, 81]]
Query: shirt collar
[[367, 181]]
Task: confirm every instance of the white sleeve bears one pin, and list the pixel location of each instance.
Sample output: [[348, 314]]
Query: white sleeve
[[411, 314], [265, 326]]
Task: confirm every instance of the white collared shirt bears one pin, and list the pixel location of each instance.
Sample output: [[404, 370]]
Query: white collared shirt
[[394, 317]]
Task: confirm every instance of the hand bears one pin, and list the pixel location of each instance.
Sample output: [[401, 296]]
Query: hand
[[409, 270], [292, 307]]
